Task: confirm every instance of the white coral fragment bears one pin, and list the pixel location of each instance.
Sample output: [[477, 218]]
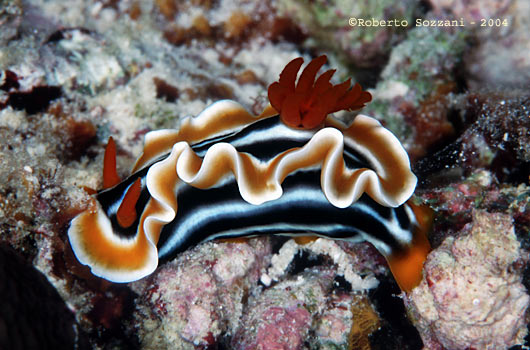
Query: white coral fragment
[[345, 262]]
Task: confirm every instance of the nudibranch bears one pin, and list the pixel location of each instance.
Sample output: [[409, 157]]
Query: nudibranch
[[293, 170]]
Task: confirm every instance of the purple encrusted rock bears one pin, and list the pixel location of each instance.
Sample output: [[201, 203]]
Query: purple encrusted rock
[[198, 297], [471, 296], [280, 317]]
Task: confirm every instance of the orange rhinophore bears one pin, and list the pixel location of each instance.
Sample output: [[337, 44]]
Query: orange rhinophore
[[306, 105], [110, 175]]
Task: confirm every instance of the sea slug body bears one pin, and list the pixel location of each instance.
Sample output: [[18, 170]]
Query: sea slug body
[[294, 170]]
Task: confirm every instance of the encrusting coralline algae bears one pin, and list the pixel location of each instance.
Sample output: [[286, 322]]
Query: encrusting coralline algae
[[471, 296]]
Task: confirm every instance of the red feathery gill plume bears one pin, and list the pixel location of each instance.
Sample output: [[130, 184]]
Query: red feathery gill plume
[[307, 104]]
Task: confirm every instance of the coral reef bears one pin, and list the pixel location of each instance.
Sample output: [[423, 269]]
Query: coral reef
[[72, 73], [502, 41], [331, 330], [471, 295], [10, 18], [486, 167], [280, 317], [326, 23], [502, 44], [197, 299], [414, 93]]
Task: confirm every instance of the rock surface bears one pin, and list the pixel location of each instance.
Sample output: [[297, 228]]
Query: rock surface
[[471, 295]]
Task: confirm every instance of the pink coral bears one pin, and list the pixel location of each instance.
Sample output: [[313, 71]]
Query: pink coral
[[280, 317], [470, 297], [282, 328]]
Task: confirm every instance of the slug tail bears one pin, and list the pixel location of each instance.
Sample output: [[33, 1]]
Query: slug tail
[[407, 265]]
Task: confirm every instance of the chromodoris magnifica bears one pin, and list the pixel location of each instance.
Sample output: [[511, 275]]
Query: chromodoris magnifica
[[293, 170]]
